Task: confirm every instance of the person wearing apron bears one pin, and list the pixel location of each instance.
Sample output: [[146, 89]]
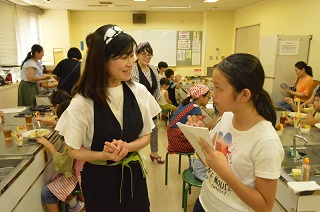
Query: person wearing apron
[[108, 121], [31, 75], [148, 76]]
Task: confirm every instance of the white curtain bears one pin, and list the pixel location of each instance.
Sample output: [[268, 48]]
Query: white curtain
[[20, 29]]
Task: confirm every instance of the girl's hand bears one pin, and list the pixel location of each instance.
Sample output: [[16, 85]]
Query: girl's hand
[[288, 100], [42, 140], [289, 121], [215, 160], [194, 121], [42, 120]]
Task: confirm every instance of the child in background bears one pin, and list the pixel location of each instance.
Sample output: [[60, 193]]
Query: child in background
[[162, 67], [56, 98], [164, 101], [67, 178], [174, 84], [313, 113]]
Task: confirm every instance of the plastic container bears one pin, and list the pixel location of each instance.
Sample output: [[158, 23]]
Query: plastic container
[[305, 171]]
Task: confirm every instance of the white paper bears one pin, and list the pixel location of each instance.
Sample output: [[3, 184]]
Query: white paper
[[13, 110], [193, 135], [303, 186], [289, 48], [195, 59]]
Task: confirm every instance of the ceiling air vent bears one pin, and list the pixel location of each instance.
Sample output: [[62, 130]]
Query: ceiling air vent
[[106, 2]]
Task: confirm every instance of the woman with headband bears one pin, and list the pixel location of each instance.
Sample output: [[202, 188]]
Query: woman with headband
[[31, 74], [147, 75], [108, 121]]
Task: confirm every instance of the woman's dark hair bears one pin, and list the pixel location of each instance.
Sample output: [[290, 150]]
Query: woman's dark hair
[[59, 96], [35, 48], [74, 52], [93, 82], [88, 39], [302, 65], [244, 71], [162, 65], [186, 100], [62, 107]]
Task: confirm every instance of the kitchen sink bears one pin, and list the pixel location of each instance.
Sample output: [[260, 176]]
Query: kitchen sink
[[10, 162], [312, 152], [10, 168]]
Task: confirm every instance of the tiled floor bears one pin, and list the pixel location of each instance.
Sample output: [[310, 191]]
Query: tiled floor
[[163, 197]]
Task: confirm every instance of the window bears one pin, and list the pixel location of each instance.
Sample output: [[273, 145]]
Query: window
[[20, 29]]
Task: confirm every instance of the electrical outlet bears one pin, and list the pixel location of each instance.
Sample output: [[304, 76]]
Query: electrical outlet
[[217, 57], [210, 57]]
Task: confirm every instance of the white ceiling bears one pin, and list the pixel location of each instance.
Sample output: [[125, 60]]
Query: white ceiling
[[133, 6]]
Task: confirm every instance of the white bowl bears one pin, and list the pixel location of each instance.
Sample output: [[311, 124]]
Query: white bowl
[[304, 130], [317, 125]]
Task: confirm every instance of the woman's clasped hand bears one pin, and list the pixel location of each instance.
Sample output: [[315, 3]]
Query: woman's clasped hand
[[115, 150]]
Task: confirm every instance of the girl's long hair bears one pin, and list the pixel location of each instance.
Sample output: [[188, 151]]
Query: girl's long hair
[[244, 71]]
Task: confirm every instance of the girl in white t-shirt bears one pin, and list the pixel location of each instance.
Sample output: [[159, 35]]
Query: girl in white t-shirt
[[245, 161]]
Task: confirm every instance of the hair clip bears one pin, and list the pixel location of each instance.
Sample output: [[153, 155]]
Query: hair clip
[[111, 33], [141, 45]]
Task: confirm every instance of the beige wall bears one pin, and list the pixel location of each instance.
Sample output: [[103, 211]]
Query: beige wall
[[286, 17], [55, 32], [219, 34]]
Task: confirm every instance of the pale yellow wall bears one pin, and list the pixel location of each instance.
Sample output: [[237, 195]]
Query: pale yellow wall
[[219, 34], [55, 32], [286, 17]]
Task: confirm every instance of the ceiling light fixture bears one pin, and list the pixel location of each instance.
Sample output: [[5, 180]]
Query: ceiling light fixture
[[139, 0], [169, 7], [211, 1]]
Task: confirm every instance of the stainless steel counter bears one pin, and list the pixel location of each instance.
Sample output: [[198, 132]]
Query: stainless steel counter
[[12, 155]]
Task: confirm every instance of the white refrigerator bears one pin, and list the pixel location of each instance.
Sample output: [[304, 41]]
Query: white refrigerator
[[278, 55]]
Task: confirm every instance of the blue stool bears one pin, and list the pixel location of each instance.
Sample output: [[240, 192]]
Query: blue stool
[[190, 180], [189, 154]]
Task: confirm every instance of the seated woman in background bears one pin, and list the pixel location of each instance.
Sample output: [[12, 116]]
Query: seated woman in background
[[199, 95], [313, 113], [56, 98], [304, 85]]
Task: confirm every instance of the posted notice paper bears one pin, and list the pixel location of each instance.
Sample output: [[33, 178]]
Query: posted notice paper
[[193, 135]]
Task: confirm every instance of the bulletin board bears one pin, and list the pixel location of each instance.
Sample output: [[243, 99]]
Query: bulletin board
[[189, 45]]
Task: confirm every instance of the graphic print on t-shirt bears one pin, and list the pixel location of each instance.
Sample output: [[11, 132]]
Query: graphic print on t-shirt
[[223, 143]]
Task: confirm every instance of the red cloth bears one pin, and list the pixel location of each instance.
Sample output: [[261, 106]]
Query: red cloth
[[177, 142]]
